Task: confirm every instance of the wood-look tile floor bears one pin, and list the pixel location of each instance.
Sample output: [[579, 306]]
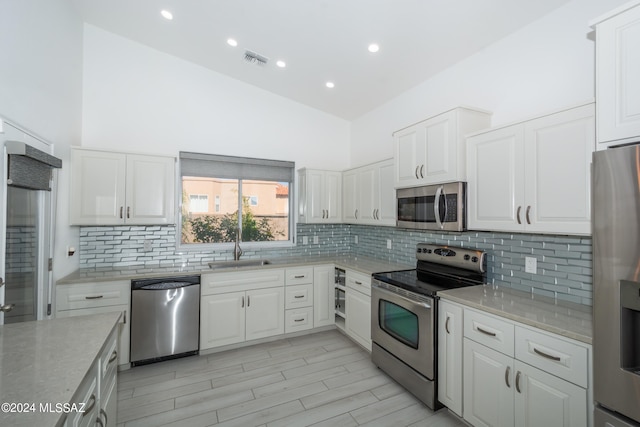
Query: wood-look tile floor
[[321, 379]]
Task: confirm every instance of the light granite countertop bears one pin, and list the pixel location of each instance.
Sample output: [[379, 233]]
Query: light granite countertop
[[563, 318], [45, 361], [361, 264]]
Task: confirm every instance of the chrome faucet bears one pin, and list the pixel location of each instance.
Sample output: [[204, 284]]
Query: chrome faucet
[[237, 252]]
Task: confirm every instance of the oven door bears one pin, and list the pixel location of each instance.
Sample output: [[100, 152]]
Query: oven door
[[404, 326]]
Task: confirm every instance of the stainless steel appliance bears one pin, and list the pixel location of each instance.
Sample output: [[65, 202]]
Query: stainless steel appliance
[[404, 314], [433, 207], [165, 318], [616, 286]]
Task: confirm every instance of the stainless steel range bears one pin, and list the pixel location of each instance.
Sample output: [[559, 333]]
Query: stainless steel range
[[404, 313]]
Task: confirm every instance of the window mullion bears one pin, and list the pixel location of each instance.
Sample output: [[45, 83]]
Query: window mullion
[[240, 207]]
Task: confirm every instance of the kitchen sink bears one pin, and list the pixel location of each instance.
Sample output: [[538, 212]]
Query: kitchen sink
[[239, 263]]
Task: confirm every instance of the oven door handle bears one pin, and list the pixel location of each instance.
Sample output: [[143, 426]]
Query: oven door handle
[[436, 206], [383, 291]]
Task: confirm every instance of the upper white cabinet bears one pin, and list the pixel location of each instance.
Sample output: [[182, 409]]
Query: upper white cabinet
[[319, 196], [433, 151], [618, 75], [109, 188], [533, 176], [369, 196]]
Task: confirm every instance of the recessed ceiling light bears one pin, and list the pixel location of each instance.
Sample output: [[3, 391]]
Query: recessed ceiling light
[[330, 85], [232, 42], [373, 48], [281, 64], [166, 14]]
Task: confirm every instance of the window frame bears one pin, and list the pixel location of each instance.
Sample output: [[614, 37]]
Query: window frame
[[248, 245]]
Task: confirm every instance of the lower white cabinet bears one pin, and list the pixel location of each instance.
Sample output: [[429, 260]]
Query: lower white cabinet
[[323, 296], [358, 308], [510, 373]]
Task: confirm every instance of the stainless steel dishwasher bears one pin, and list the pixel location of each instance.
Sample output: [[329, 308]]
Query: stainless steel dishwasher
[[165, 318]]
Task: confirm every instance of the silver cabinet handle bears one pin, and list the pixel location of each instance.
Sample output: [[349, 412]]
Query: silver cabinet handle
[[6, 308], [242, 303], [299, 296], [518, 214], [417, 167], [248, 300], [121, 211], [106, 419], [506, 376], [299, 277], [1, 282], [358, 283], [90, 405], [99, 421], [484, 331], [527, 214], [518, 382], [298, 320], [113, 357], [446, 325], [356, 213], [95, 297], [546, 355], [128, 211], [422, 171]]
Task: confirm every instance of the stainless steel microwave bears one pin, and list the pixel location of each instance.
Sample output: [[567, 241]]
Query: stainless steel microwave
[[433, 207]]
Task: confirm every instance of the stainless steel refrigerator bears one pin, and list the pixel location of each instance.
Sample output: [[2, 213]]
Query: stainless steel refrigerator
[[616, 286]]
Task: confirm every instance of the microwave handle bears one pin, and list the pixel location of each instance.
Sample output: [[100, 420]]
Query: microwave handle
[[436, 206]]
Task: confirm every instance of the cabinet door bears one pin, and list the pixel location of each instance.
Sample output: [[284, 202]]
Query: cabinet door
[[315, 196], [488, 386], [368, 194], [97, 187], [358, 322], [409, 153], [109, 403], [333, 197], [558, 150], [350, 196], [617, 71], [222, 319], [450, 335], [544, 400], [323, 296], [150, 190], [387, 195], [264, 313], [495, 176], [441, 145]]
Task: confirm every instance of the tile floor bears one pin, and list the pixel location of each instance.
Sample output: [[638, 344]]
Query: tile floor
[[322, 379]]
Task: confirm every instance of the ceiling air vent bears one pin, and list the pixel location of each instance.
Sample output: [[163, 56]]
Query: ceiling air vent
[[254, 58]]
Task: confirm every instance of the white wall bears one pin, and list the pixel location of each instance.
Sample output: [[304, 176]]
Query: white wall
[[140, 99], [545, 66], [40, 89]]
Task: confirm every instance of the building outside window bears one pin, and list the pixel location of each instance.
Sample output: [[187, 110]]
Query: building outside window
[[236, 184]]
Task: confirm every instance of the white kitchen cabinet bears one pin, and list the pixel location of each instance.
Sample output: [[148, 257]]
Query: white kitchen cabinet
[[433, 150], [109, 188], [81, 299], [265, 313], [319, 196], [450, 335], [108, 383], [358, 308], [323, 296], [617, 71], [369, 195], [533, 176], [298, 301], [519, 375]]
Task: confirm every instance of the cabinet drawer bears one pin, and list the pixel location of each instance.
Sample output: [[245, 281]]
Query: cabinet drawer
[[298, 296], [552, 354], [88, 295], [359, 282], [221, 283], [489, 330], [86, 397], [298, 319], [299, 276]]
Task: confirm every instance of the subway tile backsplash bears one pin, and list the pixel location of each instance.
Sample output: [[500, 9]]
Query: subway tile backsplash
[[564, 262]]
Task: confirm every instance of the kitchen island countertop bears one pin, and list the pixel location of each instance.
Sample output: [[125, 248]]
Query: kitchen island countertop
[[45, 361], [567, 319], [101, 274]]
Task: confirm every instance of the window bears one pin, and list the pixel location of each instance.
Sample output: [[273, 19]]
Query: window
[[250, 194], [198, 203]]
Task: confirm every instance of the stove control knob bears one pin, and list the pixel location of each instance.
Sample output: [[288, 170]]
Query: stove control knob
[[474, 259], [429, 251], [419, 250], [467, 257]]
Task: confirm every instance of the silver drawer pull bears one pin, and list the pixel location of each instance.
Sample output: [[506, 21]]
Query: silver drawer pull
[[491, 334], [299, 277], [545, 355], [95, 297], [299, 296], [298, 320], [90, 405], [113, 357], [358, 283]]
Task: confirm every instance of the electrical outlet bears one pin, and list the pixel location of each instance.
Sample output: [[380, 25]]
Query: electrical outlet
[[355, 239], [305, 240], [315, 240], [530, 265], [146, 246], [388, 243]]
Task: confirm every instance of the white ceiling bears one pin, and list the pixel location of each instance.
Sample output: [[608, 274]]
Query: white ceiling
[[321, 40]]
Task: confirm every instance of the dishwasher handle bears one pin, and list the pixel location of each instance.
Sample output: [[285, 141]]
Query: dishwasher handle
[[164, 283], [165, 286]]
